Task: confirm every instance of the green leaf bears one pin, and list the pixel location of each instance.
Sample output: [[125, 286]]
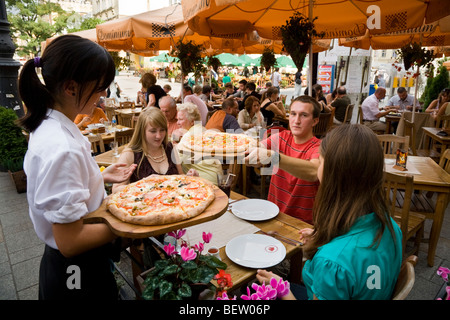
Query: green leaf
[[164, 288], [189, 265], [171, 269], [161, 264], [148, 293], [204, 274], [185, 291], [213, 262]]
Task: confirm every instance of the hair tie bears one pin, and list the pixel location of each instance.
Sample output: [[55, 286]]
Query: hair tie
[[37, 62]]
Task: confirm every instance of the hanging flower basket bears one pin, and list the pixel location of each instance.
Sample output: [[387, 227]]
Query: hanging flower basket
[[214, 62], [190, 55], [414, 55], [268, 59], [297, 35]]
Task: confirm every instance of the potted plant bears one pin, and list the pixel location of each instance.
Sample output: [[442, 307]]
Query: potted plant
[[414, 54], [214, 62], [13, 146], [190, 56], [297, 36], [185, 273], [444, 292], [268, 59]]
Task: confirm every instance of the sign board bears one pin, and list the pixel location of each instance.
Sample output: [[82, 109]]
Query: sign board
[[325, 77]]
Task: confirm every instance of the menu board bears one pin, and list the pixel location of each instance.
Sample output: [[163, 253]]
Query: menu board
[[325, 77]]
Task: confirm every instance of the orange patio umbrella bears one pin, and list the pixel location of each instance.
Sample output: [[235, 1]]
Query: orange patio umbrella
[[337, 18], [436, 34]]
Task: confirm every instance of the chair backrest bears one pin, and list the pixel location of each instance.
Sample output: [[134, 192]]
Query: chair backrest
[[360, 113], [97, 144], [348, 113], [410, 132], [125, 119], [443, 121], [124, 136], [398, 187], [110, 102], [110, 112], [406, 278], [321, 128], [444, 163], [390, 143], [126, 104]]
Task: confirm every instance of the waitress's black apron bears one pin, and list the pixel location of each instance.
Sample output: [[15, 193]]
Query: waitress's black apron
[[58, 275]]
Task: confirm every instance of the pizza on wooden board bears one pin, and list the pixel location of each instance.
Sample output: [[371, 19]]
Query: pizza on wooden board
[[160, 199], [217, 142]]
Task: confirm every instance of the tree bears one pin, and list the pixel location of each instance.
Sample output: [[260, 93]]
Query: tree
[[34, 21]]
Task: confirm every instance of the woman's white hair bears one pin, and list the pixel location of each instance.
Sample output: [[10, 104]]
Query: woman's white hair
[[191, 111]]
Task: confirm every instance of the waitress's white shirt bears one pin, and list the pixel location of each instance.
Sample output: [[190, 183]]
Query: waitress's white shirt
[[64, 182]]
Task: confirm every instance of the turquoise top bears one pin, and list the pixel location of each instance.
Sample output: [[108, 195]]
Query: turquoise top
[[349, 268]]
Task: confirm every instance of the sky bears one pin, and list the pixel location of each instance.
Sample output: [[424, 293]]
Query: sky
[[140, 6]]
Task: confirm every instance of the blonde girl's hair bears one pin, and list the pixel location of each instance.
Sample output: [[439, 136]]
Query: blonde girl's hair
[[351, 187], [150, 116]]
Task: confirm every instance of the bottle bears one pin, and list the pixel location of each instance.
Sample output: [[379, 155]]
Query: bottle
[[114, 121]]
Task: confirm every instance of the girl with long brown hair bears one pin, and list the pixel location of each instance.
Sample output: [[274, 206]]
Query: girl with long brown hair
[[355, 248]]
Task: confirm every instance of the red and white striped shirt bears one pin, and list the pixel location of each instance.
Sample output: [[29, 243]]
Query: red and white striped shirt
[[293, 196]]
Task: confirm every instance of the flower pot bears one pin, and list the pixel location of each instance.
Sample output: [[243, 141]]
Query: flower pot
[[20, 180]]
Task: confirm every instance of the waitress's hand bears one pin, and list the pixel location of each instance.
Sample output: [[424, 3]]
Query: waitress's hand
[[118, 172]]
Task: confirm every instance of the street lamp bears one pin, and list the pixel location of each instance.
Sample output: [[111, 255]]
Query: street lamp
[[9, 95]]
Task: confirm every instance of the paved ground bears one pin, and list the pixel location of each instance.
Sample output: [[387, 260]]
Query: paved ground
[[21, 250]]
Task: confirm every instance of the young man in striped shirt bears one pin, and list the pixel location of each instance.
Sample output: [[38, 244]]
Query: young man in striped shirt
[[293, 187]]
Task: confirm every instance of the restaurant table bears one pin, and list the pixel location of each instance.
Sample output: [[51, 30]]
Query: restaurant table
[[135, 111], [108, 158], [389, 118], [428, 176], [421, 120], [285, 225], [431, 132]]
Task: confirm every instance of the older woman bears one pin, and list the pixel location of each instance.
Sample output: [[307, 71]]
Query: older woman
[[251, 115], [149, 149], [189, 123], [271, 106]]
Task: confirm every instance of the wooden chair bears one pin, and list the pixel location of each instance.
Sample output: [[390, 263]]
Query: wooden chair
[[321, 128], [406, 278], [110, 112], [443, 121], [411, 132], [411, 224], [110, 102], [360, 115], [123, 137], [348, 114], [126, 120], [126, 104], [390, 143], [97, 144], [444, 163]]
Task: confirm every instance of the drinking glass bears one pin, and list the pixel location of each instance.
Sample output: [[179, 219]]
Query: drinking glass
[[224, 181]]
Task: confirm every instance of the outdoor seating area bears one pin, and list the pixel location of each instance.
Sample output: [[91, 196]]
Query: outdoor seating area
[[230, 150]]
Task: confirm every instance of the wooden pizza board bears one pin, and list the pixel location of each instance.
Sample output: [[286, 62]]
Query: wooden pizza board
[[129, 230]]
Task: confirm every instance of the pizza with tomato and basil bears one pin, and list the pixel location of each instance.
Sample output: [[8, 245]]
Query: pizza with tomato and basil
[[160, 199]]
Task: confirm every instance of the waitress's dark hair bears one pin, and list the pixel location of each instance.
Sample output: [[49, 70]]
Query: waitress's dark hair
[[68, 57]]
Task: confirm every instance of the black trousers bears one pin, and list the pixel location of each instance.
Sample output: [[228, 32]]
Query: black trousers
[[86, 276]]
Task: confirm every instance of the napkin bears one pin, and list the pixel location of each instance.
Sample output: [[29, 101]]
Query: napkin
[[389, 167], [223, 229]]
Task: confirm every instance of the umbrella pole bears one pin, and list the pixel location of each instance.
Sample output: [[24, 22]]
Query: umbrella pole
[[310, 58], [415, 94]]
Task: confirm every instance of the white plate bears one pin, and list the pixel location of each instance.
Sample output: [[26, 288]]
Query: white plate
[[255, 251], [255, 209]]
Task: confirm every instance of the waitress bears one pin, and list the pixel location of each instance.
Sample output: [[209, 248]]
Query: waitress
[[64, 182]]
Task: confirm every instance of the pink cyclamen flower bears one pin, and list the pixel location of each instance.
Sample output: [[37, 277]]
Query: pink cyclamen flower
[[226, 297], [207, 236], [448, 294], [177, 234], [443, 272], [282, 287], [187, 254], [199, 247], [265, 292], [250, 296], [170, 249]]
